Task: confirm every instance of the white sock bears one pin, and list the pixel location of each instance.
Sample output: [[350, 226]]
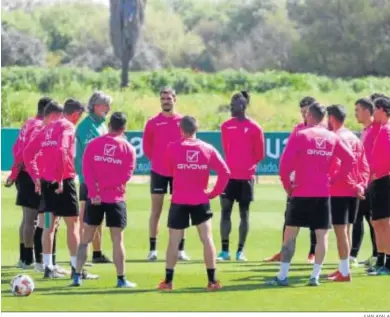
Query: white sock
[[48, 260], [283, 271], [316, 271], [73, 260], [344, 267]]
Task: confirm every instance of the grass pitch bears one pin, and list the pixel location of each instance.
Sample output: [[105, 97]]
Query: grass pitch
[[244, 288]]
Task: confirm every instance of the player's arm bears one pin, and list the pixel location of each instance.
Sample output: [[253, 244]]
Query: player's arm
[[168, 160], [219, 166], [287, 161], [65, 142], [379, 153], [29, 156], [347, 158], [259, 145], [17, 151], [147, 140], [224, 140], [88, 171], [363, 168]]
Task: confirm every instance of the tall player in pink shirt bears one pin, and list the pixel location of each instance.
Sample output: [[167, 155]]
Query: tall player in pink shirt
[[346, 192], [310, 154], [108, 164], [380, 176], [303, 105], [364, 110], [26, 196], [189, 162], [159, 132], [243, 145], [54, 179]]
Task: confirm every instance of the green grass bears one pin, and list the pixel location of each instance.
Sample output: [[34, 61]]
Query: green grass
[[244, 288]]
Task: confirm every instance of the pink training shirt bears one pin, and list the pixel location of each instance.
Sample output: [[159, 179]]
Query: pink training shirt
[[368, 137], [108, 164], [56, 144], [310, 153], [189, 162], [358, 178], [23, 138], [159, 132], [380, 156], [244, 147]]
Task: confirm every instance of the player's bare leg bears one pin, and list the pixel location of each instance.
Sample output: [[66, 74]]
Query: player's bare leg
[[51, 223], [225, 227], [209, 253], [20, 263], [29, 217], [343, 274], [154, 219], [321, 249]]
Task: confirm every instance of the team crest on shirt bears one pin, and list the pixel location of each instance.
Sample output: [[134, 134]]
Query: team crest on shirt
[[109, 152], [192, 156], [109, 149], [192, 162], [48, 141], [320, 144], [48, 134]]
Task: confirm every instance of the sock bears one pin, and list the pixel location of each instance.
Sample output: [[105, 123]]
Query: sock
[[21, 252], [38, 244], [28, 256], [54, 248], [240, 248], [380, 261], [225, 245], [73, 261], [48, 260], [316, 271], [181, 245], [121, 278], [344, 267], [283, 271], [211, 275], [168, 275], [387, 261], [153, 242], [96, 254]]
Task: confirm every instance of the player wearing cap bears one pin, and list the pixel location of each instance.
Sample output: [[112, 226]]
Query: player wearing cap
[[159, 132], [243, 145], [380, 176], [303, 105], [91, 127], [310, 154], [346, 192], [108, 164], [189, 162], [364, 110]]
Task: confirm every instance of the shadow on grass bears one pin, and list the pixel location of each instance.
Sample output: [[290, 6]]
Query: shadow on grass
[[67, 291], [277, 264]]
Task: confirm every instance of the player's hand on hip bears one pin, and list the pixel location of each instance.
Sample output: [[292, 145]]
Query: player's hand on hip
[[96, 200], [9, 182], [360, 193], [60, 188], [38, 187]]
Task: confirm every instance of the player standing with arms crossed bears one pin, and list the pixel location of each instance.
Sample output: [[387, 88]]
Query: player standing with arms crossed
[[243, 145], [159, 132], [91, 127], [380, 176], [364, 110], [303, 105], [310, 154], [346, 192], [192, 159], [108, 164]]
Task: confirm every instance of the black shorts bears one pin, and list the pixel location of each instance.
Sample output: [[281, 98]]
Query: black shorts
[[179, 215], [61, 205], [365, 206], [159, 183], [239, 190], [83, 192], [116, 214], [344, 210], [380, 192], [26, 195], [309, 212]]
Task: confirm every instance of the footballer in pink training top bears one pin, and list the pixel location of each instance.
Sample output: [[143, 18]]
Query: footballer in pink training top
[[108, 164], [346, 192], [159, 132], [310, 154], [303, 105], [243, 145], [26, 196], [380, 176], [192, 159]]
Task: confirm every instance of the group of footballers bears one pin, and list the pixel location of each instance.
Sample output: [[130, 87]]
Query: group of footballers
[[331, 177]]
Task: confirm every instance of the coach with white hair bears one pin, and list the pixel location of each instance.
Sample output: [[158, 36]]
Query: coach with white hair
[[91, 127]]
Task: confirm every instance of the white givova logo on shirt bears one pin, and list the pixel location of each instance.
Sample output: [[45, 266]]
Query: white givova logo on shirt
[[48, 141], [320, 149], [108, 155], [192, 162]]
